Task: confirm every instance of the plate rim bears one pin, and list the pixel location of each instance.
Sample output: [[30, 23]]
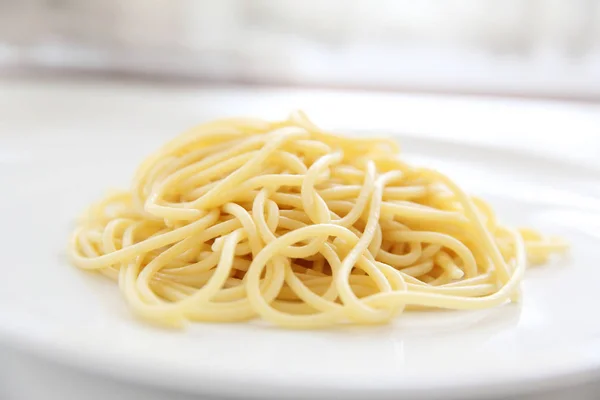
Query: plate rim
[[28, 337]]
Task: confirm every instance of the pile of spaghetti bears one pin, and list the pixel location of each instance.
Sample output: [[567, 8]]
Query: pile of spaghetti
[[244, 218]]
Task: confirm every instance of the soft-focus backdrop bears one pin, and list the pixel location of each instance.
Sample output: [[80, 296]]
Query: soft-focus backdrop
[[548, 48]]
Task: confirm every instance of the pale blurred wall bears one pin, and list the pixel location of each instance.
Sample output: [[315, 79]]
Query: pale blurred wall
[[513, 46]]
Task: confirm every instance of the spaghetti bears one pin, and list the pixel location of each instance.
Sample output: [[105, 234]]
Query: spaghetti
[[244, 218]]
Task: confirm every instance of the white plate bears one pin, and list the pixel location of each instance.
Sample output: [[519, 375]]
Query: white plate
[[48, 307]]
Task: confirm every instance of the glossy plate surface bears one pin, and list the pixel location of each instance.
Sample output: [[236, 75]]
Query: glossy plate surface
[[55, 163]]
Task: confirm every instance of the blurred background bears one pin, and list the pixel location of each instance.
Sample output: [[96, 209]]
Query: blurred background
[[532, 48]]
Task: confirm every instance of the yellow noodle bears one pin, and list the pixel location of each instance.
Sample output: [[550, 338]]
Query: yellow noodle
[[243, 218]]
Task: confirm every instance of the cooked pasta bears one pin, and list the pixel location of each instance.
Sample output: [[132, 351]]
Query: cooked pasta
[[244, 218]]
